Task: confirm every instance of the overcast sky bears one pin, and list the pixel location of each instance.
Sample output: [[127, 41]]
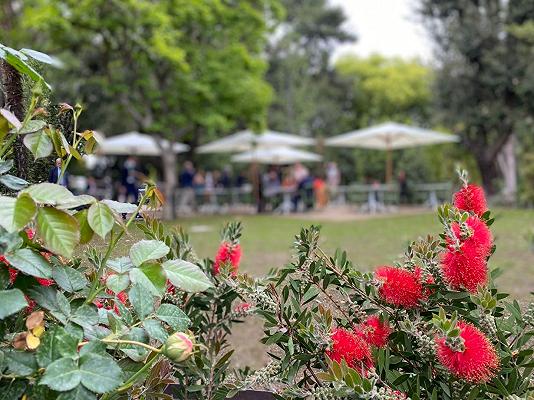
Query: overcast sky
[[388, 27]]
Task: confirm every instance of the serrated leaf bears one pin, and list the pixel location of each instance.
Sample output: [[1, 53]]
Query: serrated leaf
[[85, 316], [186, 276], [146, 250], [99, 374], [13, 182], [120, 265], [120, 208], [39, 144], [76, 201], [155, 330], [78, 393], [62, 375], [117, 283], [30, 262], [11, 301], [100, 219], [58, 230], [20, 362], [49, 193], [32, 126], [141, 300], [16, 213], [48, 351], [68, 278], [86, 233], [173, 316]]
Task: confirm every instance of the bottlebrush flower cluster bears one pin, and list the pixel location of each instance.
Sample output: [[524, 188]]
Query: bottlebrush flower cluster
[[464, 264], [401, 287], [227, 253], [478, 361]]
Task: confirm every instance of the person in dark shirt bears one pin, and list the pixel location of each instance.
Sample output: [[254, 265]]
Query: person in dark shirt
[[55, 173], [185, 181]]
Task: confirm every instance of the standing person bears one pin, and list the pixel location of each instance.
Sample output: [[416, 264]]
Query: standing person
[[404, 190], [333, 179], [187, 200], [55, 173], [129, 179], [300, 175]]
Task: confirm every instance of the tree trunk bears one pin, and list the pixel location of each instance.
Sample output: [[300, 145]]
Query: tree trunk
[[14, 102], [488, 172], [168, 158], [506, 160]]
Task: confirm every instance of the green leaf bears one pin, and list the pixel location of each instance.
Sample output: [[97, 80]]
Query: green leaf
[[49, 193], [141, 300], [94, 347], [13, 182], [34, 125], [68, 278], [58, 230], [48, 350], [154, 282], [13, 389], [11, 301], [41, 57], [62, 375], [67, 343], [15, 59], [117, 283], [39, 144], [186, 276], [11, 118], [155, 330], [20, 362], [146, 250], [30, 262], [120, 208], [5, 166], [86, 233], [120, 265], [85, 316], [76, 201], [78, 393], [100, 219], [21, 214], [99, 374], [173, 316]]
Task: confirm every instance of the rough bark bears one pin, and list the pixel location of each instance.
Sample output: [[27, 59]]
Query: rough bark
[[14, 102]]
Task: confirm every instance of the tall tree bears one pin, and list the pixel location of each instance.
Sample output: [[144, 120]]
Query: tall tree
[[309, 95], [178, 69], [483, 86]]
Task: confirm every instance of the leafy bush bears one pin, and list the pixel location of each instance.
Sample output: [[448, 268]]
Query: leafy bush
[[432, 326]]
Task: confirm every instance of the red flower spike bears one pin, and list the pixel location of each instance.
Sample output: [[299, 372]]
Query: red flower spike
[[400, 287], [352, 348], [242, 308], [30, 233], [478, 362], [479, 240], [374, 332], [227, 253], [471, 198]]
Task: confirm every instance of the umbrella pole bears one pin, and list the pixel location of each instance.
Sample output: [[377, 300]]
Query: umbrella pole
[[255, 178], [389, 166]]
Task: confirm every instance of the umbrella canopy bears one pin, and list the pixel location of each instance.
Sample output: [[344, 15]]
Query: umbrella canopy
[[390, 136], [247, 140], [137, 144], [276, 155]]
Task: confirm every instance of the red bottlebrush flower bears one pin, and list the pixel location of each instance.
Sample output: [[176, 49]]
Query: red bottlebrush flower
[[471, 198], [477, 363], [352, 348], [399, 287], [374, 332], [465, 266], [463, 270], [227, 253], [479, 239], [30, 232], [123, 297], [98, 304], [31, 304], [45, 282], [13, 273], [170, 287]]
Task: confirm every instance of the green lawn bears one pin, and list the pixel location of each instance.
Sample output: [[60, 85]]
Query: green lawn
[[267, 241]]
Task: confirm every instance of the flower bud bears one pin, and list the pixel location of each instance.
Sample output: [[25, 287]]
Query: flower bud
[[179, 346]]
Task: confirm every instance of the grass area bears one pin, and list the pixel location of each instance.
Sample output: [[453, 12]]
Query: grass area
[[376, 241]]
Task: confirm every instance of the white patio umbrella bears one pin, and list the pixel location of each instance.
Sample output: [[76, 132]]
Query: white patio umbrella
[[137, 144], [390, 136], [247, 140], [276, 155]]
